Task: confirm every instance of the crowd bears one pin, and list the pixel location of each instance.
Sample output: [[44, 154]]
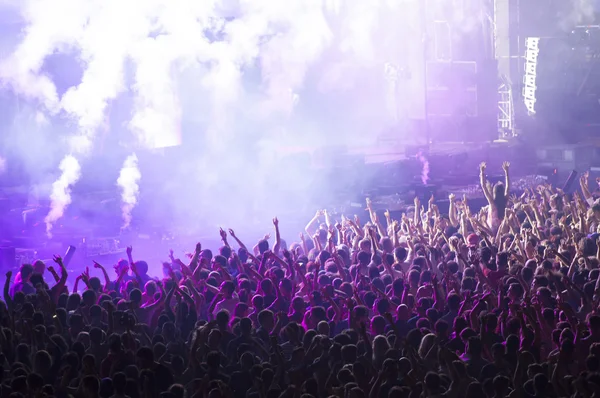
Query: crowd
[[498, 302]]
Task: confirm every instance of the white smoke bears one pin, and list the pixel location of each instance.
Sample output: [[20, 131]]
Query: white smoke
[[424, 168], [61, 190], [300, 72], [576, 12], [160, 39], [128, 182]]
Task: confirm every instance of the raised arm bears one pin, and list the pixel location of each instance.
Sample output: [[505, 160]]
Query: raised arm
[[54, 274], [223, 235], [58, 288], [7, 298], [505, 167], [238, 241], [130, 254], [312, 226], [452, 213], [484, 186], [99, 266], [277, 236], [585, 189]]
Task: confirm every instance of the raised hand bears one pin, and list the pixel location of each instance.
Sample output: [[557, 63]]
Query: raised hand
[[8, 274], [505, 166], [86, 275], [222, 233], [231, 232], [97, 265], [275, 222], [198, 247], [267, 237], [482, 167], [452, 197], [129, 250], [58, 260], [133, 268]]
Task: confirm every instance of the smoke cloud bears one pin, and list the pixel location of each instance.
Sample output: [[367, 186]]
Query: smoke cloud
[[244, 78], [576, 12], [424, 168], [61, 190], [128, 182]]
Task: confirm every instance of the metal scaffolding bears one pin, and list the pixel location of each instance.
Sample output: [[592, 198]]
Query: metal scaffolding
[[506, 110], [506, 49]]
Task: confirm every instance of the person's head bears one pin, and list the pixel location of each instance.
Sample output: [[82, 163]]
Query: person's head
[[213, 360], [398, 287], [432, 383], [475, 390], [499, 195], [42, 362], [442, 329], [594, 325], [90, 386], [89, 298], [361, 315], [387, 245], [35, 382], [596, 210], [26, 271], [502, 260], [474, 347], [382, 306], [364, 258], [145, 358], [266, 320], [515, 291], [241, 310], [227, 289], [135, 296], [141, 267], [246, 326], [222, 318], [119, 383], [266, 286], [150, 289], [263, 246], [120, 266], [258, 302], [365, 246], [39, 267], [403, 312], [400, 254], [540, 384], [285, 287], [378, 324], [298, 305]]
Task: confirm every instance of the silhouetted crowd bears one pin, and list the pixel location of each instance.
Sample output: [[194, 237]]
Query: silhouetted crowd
[[498, 302]]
